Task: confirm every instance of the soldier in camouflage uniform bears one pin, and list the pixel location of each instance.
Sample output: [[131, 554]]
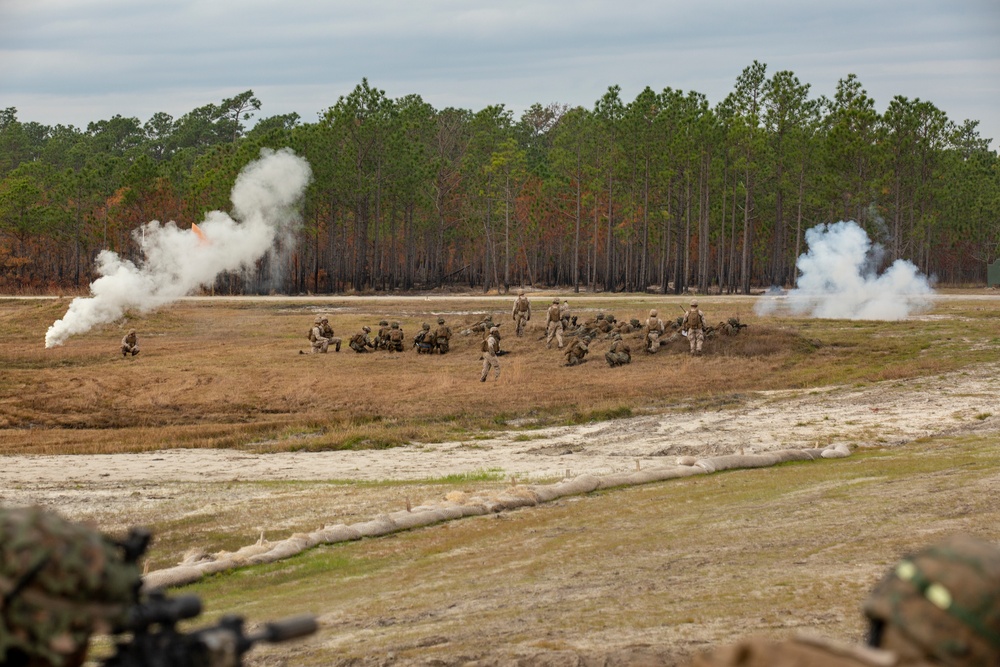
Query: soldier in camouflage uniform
[[382, 337], [395, 338], [620, 353], [521, 312], [360, 342], [60, 583], [327, 332], [693, 325], [130, 344], [320, 343], [654, 329], [424, 341], [442, 336], [577, 351], [491, 348], [938, 607], [554, 325]]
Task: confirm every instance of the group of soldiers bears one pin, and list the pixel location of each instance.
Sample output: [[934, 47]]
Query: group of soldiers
[[560, 324], [390, 337]]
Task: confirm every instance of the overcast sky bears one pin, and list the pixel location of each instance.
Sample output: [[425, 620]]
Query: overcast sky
[[77, 61]]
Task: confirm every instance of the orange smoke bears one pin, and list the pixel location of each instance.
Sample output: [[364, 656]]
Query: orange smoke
[[200, 234]]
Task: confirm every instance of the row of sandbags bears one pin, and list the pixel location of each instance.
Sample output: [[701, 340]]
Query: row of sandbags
[[457, 506]]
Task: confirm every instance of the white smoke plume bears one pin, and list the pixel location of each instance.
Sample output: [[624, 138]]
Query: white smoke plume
[[178, 261], [838, 280]]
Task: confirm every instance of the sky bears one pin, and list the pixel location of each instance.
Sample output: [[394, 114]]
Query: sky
[[73, 62]]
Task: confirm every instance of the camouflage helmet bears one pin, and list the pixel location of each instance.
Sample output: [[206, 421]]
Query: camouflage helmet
[[383, 323], [318, 319], [945, 601], [366, 329], [494, 330], [440, 320], [324, 318], [555, 300], [694, 303], [520, 292], [600, 316], [60, 582], [395, 325], [652, 313], [425, 326]]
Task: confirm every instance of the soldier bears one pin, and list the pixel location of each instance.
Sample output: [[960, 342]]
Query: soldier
[[423, 341], [130, 344], [693, 326], [442, 336], [620, 353], [60, 583], [578, 350], [382, 337], [491, 346], [396, 337], [938, 607], [555, 324], [623, 327], [327, 332], [654, 329], [605, 324], [320, 343], [564, 314], [521, 312], [360, 342]]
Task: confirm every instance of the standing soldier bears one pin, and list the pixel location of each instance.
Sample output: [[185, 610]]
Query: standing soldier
[[577, 351], [654, 329], [320, 343], [555, 324], [620, 353], [490, 348], [360, 342], [521, 312], [130, 344], [442, 336], [693, 326], [327, 331], [564, 313]]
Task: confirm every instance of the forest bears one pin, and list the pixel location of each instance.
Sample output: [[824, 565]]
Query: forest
[[665, 193]]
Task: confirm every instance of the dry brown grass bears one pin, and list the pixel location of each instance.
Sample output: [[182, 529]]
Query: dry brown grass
[[228, 373]]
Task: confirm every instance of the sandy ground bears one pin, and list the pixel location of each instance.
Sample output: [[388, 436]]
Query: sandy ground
[[883, 414]]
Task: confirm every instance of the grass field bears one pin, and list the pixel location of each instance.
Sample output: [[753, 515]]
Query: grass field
[[661, 570]]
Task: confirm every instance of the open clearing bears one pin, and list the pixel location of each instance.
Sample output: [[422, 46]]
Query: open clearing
[[645, 573]]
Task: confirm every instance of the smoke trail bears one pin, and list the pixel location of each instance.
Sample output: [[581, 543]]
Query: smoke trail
[[838, 280], [177, 261]]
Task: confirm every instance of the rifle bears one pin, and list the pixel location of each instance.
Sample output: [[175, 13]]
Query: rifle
[[155, 640]]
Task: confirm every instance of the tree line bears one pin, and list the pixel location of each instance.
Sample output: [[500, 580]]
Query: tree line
[[664, 193]]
